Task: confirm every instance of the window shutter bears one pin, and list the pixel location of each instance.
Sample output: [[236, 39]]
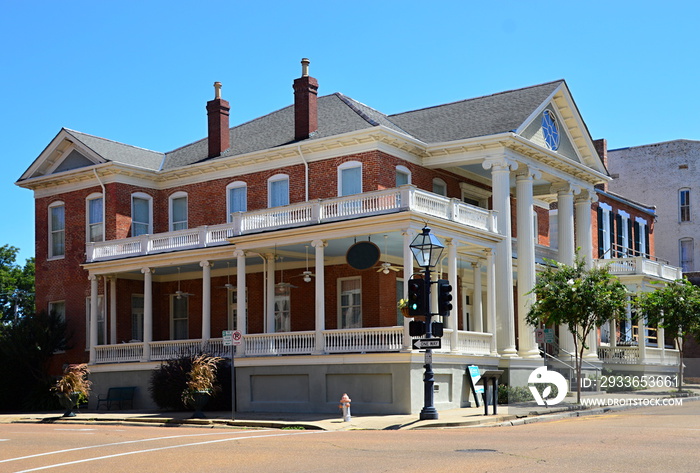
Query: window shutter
[[612, 235], [646, 241], [630, 237], [599, 211], [637, 241], [618, 231]]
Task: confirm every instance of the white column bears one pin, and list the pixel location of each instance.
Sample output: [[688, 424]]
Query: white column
[[113, 309], [641, 337], [477, 311], [147, 313], [527, 348], [242, 312], [206, 300], [584, 243], [565, 221], [661, 343], [93, 316], [491, 300], [408, 236], [270, 292], [500, 178], [451, 321], [320, 295]]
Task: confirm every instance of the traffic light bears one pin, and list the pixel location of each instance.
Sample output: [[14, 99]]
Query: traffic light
[[437, 329], [444, 297], [416, 328], [416, 297]]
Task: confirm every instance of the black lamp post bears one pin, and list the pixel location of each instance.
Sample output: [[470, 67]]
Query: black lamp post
[[427, 250]]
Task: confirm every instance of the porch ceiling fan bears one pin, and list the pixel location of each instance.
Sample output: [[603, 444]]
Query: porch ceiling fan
[[228, 284], [282, 283], [307, 275], [385, 267], [179, 294]]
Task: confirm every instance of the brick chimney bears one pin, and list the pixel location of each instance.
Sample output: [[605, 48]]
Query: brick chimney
[[217, 113], [601, 146], [305, 103]]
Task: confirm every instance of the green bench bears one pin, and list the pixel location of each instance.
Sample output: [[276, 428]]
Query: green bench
[[121, 397]]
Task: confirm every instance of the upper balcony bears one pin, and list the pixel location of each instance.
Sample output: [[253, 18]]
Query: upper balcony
[[367, 204], [641, 266]]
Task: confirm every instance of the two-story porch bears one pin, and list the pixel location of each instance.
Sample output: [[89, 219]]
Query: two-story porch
[[321, 281]]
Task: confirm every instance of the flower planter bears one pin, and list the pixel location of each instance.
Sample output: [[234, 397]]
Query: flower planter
[[68, 402], [199, 400]]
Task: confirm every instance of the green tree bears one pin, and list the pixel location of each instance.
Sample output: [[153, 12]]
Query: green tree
[[582, 299], [675, 307], [16, 285]]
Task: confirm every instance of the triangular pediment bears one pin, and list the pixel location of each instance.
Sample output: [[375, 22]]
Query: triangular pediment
[[64, 153], [557, 126]]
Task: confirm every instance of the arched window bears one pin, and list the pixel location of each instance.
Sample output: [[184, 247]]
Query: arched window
[[686, 249], [278, 190], [57, 229], [141, 214], [350, 178], [94, 217], [403, 176], [439, 187], [178, 211], [236, 198]]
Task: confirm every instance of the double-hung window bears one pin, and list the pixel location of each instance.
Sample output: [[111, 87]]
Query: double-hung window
[[141, 214], [439, 187], [57, 230], [95, 218], [278, 190], [350, 178], [179, 317], [686, 254], [684, 205], [178, 211], [350, 303], [403, 176], [237, 198]]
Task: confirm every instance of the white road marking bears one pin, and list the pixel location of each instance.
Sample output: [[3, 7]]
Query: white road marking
[[118, 443], [106, 457]]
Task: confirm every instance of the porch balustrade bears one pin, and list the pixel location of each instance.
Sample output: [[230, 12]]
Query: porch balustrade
[[361, 340], [288, 216], [641, 266], [631, 355]]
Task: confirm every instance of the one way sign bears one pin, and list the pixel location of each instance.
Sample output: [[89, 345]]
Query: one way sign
[[427, 343]]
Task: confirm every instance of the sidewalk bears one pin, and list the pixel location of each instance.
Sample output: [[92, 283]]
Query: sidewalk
[[465, 417]]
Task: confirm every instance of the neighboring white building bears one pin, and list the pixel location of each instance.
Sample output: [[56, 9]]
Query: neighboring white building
[[636, 174]]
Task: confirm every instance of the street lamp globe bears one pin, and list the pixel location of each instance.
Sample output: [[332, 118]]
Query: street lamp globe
[[426, 249]]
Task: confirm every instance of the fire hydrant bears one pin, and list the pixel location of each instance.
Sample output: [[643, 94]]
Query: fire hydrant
[[345, 406]]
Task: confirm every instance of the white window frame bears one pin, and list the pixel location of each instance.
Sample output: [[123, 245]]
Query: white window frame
[[347, 166], [180, 224], [689, 263], [186, 318], [59, 307], [149, 224], [439, 182], [607, 248], [642, 236], [686, 208], [229, 203], [283, 309], [475, 193], [341, 307], [405, 171], [626, 240], [54, 233], [270, 182], [101, 321], [88, 217]]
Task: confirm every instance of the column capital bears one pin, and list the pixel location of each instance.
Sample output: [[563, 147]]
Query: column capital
[[476, 264], [92, 277], [528, 173], [238, 253], [565, 187], [205, 263], [319, 243], [500, 164], [146, 270], [587, 195]]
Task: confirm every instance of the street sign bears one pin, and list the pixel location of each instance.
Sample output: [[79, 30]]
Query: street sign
[[237, 337], [427, 343], [539, 335], [549, 335], [227, 335]]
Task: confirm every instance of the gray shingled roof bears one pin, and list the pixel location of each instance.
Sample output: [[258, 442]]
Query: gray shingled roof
[[119, 152], [482, 116], [339, 114]]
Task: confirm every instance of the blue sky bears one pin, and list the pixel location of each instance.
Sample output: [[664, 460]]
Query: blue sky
[[140, 72]]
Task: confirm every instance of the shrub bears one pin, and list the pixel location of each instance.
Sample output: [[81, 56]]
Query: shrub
[[170, 380]]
